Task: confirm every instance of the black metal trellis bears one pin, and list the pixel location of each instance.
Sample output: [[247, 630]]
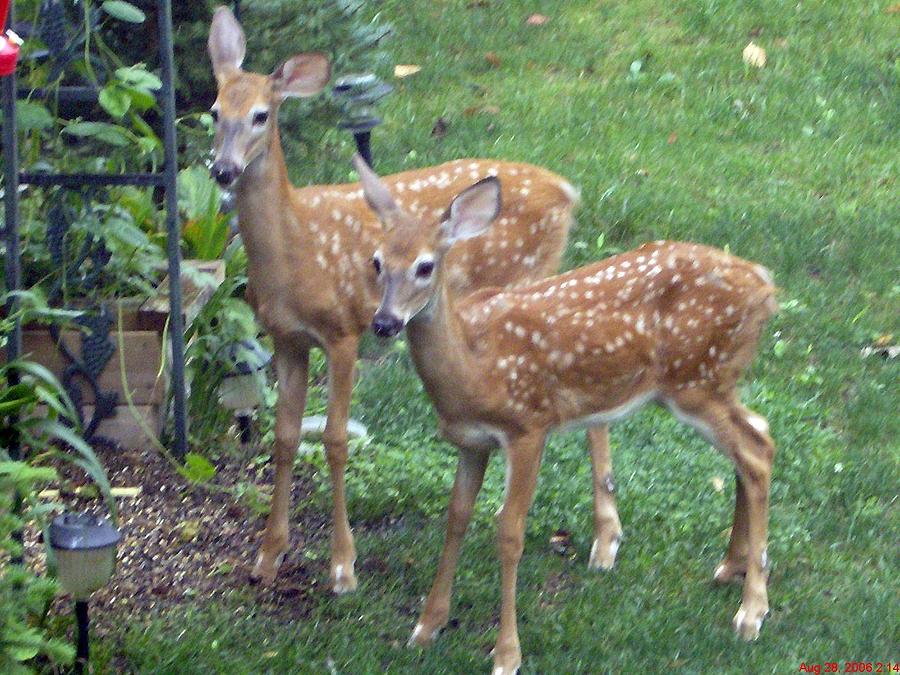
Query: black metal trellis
[[165, 180]]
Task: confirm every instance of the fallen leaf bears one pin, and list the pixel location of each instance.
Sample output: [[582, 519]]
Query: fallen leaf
[[893, 9], [754, 55], [718, 484], [672, 138], [537, 20], [493, 59], [406, 70], [883, 340], [439, 130]]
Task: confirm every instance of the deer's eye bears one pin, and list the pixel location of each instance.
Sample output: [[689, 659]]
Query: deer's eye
[[260, 118], [424, 269], [376, 263], [215, 116]]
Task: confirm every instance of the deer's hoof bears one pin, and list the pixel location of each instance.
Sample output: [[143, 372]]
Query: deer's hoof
[[343, 579], [266, 568], [603, 553], [749, 619], [729, 571], [423, 636]]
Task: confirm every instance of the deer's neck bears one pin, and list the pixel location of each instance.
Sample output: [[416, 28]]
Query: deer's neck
[[263, 201], [443, 359]]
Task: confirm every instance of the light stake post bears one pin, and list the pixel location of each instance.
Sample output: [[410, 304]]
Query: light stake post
[[85, 550], [357, 94], [242, 389]]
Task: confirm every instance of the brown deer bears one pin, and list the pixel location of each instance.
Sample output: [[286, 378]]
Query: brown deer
[[673, 323], [311, 276]]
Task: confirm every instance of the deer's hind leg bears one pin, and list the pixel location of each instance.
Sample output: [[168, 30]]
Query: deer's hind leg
[[743, 436], [607, 528]]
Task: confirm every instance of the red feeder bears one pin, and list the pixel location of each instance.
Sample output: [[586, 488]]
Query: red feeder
[[9, 50]]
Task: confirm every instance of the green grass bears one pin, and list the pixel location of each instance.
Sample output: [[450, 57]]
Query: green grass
[[794, 166]]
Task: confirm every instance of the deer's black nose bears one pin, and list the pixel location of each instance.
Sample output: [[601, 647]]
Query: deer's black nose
[[386, 325], [224, 173]]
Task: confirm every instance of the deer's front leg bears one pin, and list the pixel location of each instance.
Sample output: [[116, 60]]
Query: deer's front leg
[[523, 462], [292, 366], [607, 529], [469, 477], [341, 361]]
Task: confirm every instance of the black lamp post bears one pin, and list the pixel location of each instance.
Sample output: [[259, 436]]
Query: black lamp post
[[85, 550], [242, 389], [357, 95]]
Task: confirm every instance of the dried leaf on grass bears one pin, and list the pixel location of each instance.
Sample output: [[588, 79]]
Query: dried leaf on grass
[[754, 55], [537, 20], [493, 59], [405, 70]]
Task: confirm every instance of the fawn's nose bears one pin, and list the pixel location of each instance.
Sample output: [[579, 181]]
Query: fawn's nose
[[224, 173], [386, 325]]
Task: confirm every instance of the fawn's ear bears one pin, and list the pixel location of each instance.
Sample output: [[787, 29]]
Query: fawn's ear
[[302, 75], [226, 44], [377, 195], [472, 212]]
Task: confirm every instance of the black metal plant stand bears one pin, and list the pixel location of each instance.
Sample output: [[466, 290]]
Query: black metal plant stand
[[166, 180]]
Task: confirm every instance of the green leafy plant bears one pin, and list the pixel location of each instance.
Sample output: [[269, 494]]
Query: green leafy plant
[[45, 438], [205, 228]]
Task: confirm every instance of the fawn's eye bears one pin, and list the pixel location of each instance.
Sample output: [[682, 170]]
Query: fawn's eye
[[260, 118], [376, 263], [424, 269], [215, 116]]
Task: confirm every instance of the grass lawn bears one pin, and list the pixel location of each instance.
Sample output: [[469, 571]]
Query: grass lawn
[[648, 107]]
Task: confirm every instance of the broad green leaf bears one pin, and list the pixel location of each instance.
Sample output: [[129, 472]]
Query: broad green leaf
[[123, 11], [197, 468], [139, 77], [124, 231], [108, 133], [141, 100], [114, 100], [31, 115]]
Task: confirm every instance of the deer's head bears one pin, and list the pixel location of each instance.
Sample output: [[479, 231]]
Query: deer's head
[[246, 108], [410, 260]]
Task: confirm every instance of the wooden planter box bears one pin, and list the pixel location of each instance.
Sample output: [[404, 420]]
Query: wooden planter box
[[142, 346]]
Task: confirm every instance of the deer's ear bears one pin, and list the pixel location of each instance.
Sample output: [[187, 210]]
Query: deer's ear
[[302, 75], [472, 212], [226, 44], [377, 195]]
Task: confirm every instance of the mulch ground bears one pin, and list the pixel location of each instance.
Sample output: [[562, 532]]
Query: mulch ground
[[186, 544]]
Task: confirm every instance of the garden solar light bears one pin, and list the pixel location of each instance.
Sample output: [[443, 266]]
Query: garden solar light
[[357, 95], [85, 550], [242, 388]]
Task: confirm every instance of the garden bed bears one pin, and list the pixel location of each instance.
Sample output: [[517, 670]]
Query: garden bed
[[184, 544]]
